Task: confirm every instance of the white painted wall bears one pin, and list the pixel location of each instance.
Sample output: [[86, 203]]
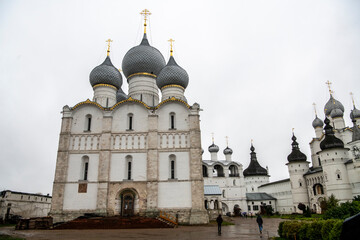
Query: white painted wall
[[80, 201], [181, 116], [182, 165], [120, 121], [76, 167], [174, 195], [282, 192], [118, 168], [79, 123]]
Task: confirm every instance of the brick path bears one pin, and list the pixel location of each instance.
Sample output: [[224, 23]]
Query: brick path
[[243, 229]]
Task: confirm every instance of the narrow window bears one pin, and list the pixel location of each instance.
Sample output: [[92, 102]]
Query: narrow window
[[130, 121], [107, 102], [86, 168], [172, 120], [128, 167], [129, 170], [88, 123], [172, 169], [172, 159]]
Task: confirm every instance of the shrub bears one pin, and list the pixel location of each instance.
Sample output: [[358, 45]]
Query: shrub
[[336, 231], [291, 229], [343, 211], [280, 229], [326, 228], [314, 230], [303, 230]]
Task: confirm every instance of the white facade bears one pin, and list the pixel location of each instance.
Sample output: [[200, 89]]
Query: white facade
[[26, 205]]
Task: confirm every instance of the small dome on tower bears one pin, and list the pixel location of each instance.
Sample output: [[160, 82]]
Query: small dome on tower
[[106, 73], [296, 155], [330, 141], [172, 74], [331, 105], [227, 151], [120, 95], [143, 59], [336, 113], [213, 148], [317, 123], [355, 113]]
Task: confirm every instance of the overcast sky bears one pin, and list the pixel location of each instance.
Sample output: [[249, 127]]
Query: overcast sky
[[255, 68]]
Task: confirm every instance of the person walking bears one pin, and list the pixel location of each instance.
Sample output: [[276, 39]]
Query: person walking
[[219, 221], [259, 222]]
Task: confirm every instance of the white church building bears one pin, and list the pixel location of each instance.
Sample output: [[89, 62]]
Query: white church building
[[134, 154]]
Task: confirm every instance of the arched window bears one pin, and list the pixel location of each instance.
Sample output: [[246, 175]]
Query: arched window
[[85, 168], [172, 120], [218, 171], [172, 159], [88, 123], [206, 204], [319, 161], [338, 174], [128, 167], [130, 121], [233, 171], [205, 171], [223, 193]]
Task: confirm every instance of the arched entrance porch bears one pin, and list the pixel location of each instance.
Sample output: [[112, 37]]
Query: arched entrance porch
[[127, 203]]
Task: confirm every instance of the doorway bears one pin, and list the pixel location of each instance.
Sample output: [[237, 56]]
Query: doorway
[[127, 204]]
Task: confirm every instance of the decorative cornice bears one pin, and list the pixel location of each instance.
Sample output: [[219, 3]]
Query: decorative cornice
[[87, 102], [173, 85], [173, 100], [105, 85], [141, 73], [130, 99]]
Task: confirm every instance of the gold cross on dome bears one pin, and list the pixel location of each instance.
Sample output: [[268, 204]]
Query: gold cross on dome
[[329, 86], [314, 104], [212, 137], [171, 45], [293, 130], [227, 141], [108, 50], [145, 13]]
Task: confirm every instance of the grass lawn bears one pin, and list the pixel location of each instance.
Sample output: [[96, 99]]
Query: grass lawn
[[7, 225], [224, 223], [7, 237]]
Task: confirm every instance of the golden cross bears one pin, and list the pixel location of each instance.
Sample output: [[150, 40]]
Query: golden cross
[[329, 83], [108, 50], [146, 13], [171, 45], [352, 98], [251, 141], [227, 141], [293, 130], [212, 137], [314, 108]]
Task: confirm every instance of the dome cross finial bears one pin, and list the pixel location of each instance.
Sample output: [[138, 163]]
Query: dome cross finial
[[212, 137], [314, 104], [108, 50], [227, 141], [146, 13], [329, 86], [352, 98], [171, 46]]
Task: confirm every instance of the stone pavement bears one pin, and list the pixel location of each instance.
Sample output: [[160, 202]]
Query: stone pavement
[[243, 229]]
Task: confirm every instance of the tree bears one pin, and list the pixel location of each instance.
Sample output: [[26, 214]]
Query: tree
[[302, 207], [329, 203]]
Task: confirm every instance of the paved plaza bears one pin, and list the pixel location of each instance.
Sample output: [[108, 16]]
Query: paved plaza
[[243, 229]]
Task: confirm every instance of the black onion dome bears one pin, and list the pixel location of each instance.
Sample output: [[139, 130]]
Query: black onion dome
[[172, 73], [227, 151], [120, 95], [254, 168], [330, 141], [213, 148], [296, 155], [336, 113], [331, 105], [106, 73], [355, 113], [317, 123], [143, 59], [356, 131]]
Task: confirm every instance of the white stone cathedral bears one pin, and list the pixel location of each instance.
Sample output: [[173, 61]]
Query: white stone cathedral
[[134, 154]]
